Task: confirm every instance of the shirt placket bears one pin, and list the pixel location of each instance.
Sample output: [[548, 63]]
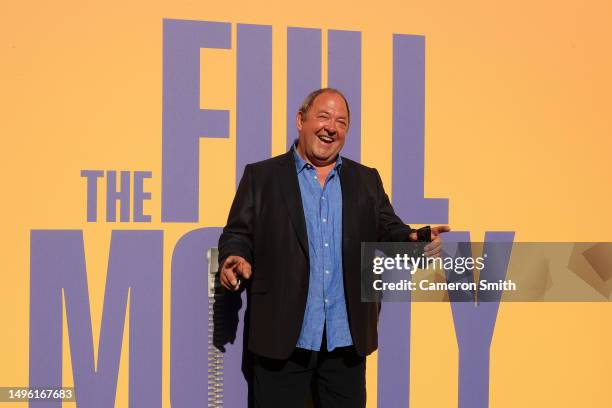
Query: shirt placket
[[323, 241], [328, 247]]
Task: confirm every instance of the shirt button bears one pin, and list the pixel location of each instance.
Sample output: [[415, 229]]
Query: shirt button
[[324, 219], [326, 301], [327, 272], [315, 177], [326, 244], [322, 198]]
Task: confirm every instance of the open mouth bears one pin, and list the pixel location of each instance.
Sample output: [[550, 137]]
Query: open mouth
[[325, 138]]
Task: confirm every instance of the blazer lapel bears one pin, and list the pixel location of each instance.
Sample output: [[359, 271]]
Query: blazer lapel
[[350, 214], [292, 196]]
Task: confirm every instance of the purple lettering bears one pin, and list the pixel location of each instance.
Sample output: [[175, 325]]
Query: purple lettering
[[113, 193], [303, 71], [253, 95], [344, 73], [408, 185], [183, 121], [92, 192], [140, 195], [57, 266]]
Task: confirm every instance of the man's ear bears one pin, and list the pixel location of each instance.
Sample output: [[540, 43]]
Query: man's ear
[[299, 119]]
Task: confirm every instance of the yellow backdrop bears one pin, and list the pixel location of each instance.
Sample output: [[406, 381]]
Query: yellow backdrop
[[518, 137]]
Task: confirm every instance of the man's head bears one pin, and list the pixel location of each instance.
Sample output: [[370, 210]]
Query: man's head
[[322, 123]]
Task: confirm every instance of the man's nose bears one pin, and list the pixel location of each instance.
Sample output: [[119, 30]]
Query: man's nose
[[330, 128]]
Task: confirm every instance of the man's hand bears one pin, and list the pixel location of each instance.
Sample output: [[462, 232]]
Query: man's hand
[[233, 269], [433, 248]]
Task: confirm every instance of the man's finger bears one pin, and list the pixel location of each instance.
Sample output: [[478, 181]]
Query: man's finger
[[435, 243], [230, 278], [231, 261], [224, 282], [225, 279], [433, 253], [434, 247], [244, 270], [442, 228]]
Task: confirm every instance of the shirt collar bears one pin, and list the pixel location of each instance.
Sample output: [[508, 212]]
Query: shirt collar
[[301, 164]]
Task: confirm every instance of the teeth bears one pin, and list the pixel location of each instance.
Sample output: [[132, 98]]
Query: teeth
[[326, 139]]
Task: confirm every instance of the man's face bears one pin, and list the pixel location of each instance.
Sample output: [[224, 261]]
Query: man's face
[[322, 129]]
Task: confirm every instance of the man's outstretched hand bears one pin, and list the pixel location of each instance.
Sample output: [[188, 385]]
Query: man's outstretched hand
[[433, 248], [234, 269]]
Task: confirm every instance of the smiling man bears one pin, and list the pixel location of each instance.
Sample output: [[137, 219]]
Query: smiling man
[[293, 239]]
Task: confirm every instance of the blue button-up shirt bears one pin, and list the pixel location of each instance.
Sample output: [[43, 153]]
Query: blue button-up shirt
[[325, 306]]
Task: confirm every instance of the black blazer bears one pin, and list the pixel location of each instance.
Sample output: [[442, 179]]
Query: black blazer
[[266, 226]]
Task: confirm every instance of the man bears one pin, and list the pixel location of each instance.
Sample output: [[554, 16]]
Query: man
[[293, 239]]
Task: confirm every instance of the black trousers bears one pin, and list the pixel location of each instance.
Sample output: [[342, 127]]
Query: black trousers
[[336, 379]]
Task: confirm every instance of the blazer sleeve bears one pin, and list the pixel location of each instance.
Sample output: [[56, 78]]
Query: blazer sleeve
[[390, 227], [237, 235]]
